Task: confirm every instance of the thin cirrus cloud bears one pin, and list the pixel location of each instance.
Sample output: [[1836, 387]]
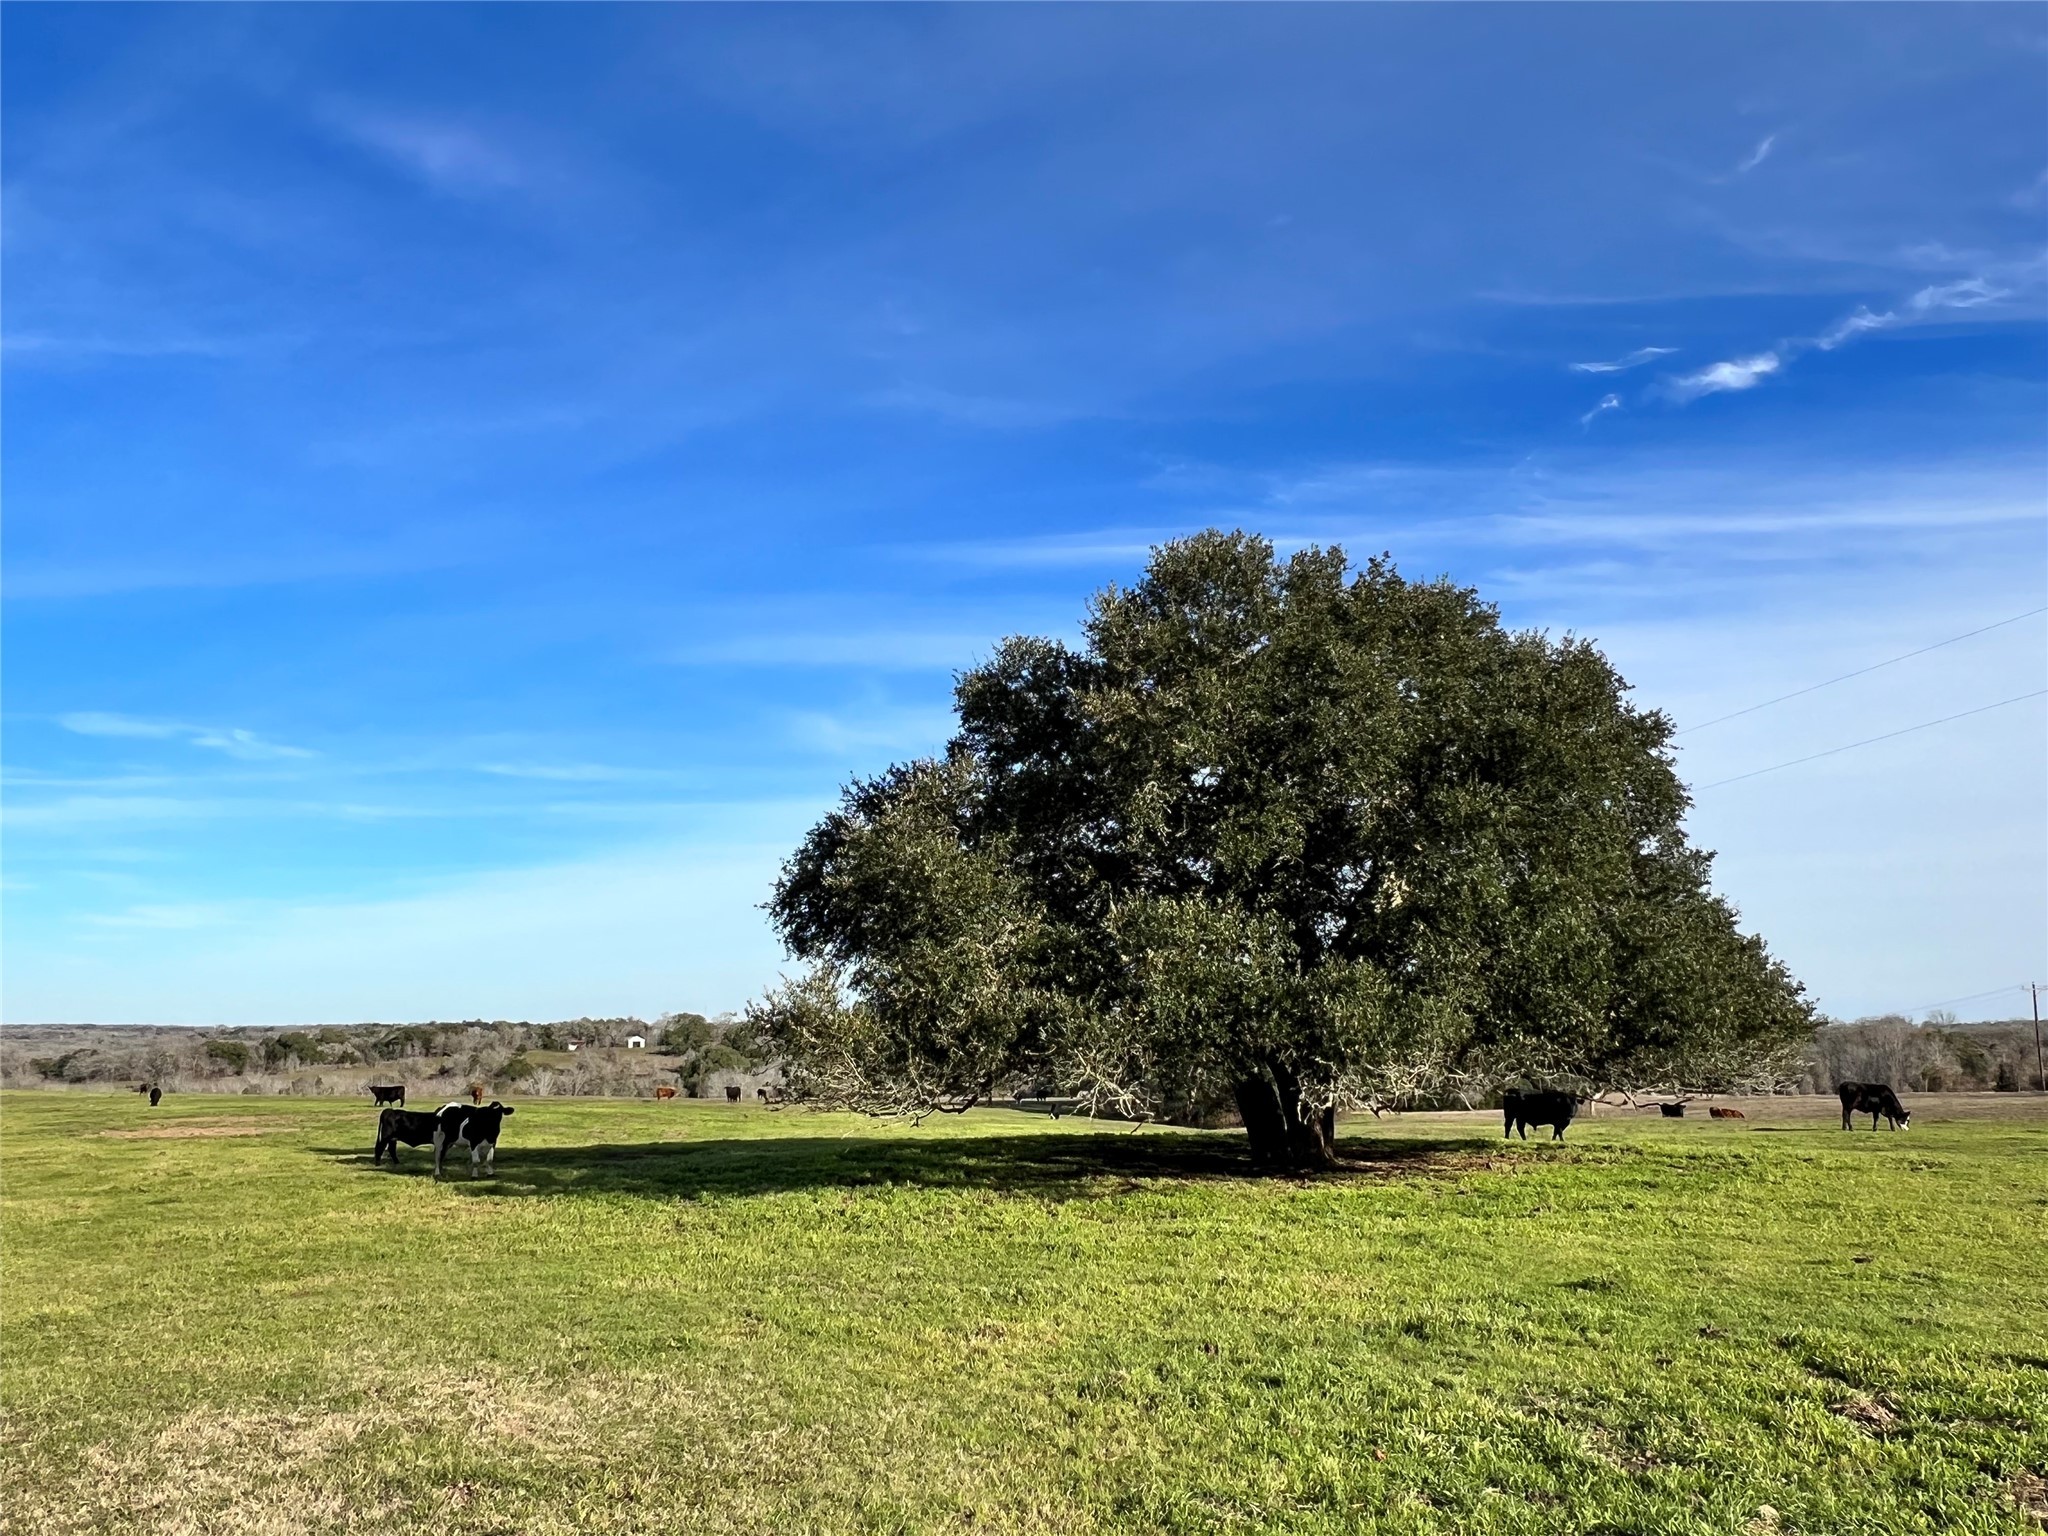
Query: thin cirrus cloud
[[1635, 359], [233, 741], [448, 156], [560, 773], [1969, 293], [1747, 372], [1735, 374], [1757, 156], [1607, 403]]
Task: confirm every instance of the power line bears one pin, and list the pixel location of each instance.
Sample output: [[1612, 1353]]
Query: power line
[[2018, 986], [2019, 698], [1874, 666]]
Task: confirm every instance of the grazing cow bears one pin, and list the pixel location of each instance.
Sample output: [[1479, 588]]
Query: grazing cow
[[1874, 1099], [1723, 1112], [387, 1093], [1671, 1111], [156, 1096], [467, 1125], [664, 1093], [1522, 1108], [732, 1093], [413, 1127]]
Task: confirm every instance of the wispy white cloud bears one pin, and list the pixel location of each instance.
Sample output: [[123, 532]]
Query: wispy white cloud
[[1852, 325], [233, 741], [1095, 548], [1757, 156], [174, 916], [1607, 403], [1970, 293], [884, 729], [1736, 374], [94, 723], [83, 811], [1634, 359], [673, 924], [1745, 373], [139, 345], [905, 650], [562, 773], [449, 156]]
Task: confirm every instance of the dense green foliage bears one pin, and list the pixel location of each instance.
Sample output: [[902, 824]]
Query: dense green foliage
[[688, 1317], [231, 1054], [1300, 836]]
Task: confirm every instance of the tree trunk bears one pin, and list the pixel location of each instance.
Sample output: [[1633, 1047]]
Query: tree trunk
[[1282, 1137]]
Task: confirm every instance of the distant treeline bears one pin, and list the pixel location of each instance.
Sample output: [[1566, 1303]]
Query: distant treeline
[[1938, 1055], [700, 1054], [687, 1050]]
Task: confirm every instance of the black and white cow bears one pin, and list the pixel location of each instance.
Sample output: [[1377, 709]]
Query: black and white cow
[[413, 1127], [388, 1093], [469, 1125], [1874, 1099]]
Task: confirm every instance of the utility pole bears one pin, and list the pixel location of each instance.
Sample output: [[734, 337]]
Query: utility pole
[[2040, 1074]]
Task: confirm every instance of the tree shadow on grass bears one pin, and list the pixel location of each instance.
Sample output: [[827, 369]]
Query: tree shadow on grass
[[1081, 1165]]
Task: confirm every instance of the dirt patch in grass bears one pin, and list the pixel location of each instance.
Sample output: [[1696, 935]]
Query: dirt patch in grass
[[2029, 1492], [190, 1132], [1866, 1413]]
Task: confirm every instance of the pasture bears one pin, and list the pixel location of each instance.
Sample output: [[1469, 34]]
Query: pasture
[[220, 1318]]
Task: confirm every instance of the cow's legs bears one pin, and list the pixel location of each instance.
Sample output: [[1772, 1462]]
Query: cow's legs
[[440, 1146], [491, 1159], [476, 1154]]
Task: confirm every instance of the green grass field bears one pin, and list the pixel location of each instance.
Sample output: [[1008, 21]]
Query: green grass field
[[684, 1317]]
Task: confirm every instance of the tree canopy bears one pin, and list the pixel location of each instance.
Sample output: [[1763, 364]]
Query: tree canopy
[[1293, 834]]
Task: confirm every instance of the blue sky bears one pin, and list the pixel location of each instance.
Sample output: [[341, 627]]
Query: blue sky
[[478, 480]]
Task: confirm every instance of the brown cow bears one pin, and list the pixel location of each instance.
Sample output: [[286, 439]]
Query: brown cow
[[664, 1093], [1721, 1112], [476, 1093]]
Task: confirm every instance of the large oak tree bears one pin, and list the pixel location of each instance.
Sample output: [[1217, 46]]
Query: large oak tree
[[1300, 835]]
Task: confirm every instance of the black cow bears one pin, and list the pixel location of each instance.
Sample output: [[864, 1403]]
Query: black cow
[[415, 1128], [1874, 1099], [469, 1125], [1671, 1111], [156, 1097], [1522, 1108], [387, 1093]]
